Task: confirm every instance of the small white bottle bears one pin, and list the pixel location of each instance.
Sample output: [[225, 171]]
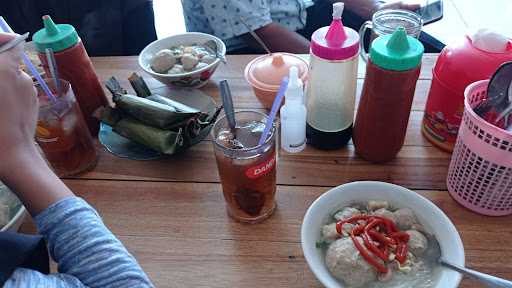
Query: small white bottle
[[293, 115]]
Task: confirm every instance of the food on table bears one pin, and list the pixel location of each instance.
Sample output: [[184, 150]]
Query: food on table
[[182, 59], [154, 121], [374, 245], [163, 61]]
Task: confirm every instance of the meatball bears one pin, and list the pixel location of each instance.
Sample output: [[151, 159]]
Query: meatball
[[201, 65], [329, 232], [345, 263], [346, 213], [163, 61], [383, 212], [375, 205], [177, 69], [418, 243], [189, 61], [405, 218]]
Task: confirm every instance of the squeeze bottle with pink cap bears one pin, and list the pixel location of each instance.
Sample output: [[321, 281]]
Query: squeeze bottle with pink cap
[[332, 81]]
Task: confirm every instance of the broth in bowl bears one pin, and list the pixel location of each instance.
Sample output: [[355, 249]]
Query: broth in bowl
[[375, 245]]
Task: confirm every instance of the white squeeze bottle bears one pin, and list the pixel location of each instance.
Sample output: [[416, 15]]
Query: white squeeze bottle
[[293, 115]]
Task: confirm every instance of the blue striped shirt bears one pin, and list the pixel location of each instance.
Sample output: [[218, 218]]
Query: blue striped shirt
[[87, 253]]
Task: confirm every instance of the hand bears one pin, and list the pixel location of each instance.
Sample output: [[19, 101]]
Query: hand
[[18, 105], [397, 4]]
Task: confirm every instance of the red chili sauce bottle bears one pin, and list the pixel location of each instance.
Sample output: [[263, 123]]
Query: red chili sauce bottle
[[383, 114], [74, 65]]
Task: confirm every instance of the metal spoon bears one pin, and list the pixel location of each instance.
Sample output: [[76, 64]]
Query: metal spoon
[[497, 91], [227, 101], [505, 114], [434, 251], [212, 44], [255, 36]]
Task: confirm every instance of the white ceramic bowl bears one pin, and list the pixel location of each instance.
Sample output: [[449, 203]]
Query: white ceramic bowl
[[428, 214], [192, 79]]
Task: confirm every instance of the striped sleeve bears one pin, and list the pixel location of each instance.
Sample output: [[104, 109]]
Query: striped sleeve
[[86, 251]]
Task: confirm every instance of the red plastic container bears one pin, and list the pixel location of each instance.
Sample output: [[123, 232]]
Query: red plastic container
[[458, 65]]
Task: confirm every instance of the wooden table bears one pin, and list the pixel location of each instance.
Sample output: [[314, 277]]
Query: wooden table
[[170, 213]]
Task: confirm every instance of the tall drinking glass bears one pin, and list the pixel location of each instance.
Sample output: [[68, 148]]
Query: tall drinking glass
[[247, 170], [62, 133], [386, 22]]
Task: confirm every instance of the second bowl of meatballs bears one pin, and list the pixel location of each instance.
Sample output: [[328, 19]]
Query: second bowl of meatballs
[[184, 60], [379, 235]]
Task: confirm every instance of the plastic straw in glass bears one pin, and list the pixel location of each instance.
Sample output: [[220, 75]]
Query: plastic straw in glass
[[7, 29], [273, 112]]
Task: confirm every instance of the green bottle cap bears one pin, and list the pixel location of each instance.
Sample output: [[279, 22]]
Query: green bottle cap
[[58, 37], [398, 51]]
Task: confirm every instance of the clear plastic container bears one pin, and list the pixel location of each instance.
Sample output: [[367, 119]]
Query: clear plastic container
[[332, 82]]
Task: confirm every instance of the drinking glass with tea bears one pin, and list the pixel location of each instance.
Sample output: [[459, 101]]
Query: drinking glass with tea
[[247, 170], [61, 130]]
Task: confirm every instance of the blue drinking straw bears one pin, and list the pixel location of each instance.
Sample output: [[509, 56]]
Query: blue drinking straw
[[5, 27], [273, 112]]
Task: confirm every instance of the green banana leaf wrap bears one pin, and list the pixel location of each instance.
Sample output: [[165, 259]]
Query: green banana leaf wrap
[[150, 112], [178, 136]]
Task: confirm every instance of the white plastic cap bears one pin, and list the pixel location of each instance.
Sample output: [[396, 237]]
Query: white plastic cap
[[293, 80], [337, 10], [294, 90], [490, 41]]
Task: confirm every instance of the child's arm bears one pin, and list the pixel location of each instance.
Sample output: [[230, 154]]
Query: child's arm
[[84, 248], [87, 253]]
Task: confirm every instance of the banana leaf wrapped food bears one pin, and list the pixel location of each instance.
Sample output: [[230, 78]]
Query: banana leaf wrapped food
[[158, 124]]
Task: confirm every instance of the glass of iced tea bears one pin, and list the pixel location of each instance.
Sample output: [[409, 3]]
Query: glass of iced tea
[[62, 133], [247, 170]]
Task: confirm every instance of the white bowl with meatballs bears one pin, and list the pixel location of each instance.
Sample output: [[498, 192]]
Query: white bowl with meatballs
[[379, 235], [184, 60]]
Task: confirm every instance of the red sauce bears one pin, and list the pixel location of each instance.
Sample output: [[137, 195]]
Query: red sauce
[[383, 113], [75, 66]]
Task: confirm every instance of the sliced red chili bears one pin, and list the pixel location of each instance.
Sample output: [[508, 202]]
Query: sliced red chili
[[380, 237], [372, 261], [372, 247], [401, 253], [351, 220], [377, 236]]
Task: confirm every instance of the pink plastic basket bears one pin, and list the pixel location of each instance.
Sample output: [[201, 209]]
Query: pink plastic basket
[[480, 174]]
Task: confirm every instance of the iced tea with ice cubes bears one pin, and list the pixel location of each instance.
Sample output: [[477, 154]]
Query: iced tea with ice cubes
[[62, 133], [247, 170]]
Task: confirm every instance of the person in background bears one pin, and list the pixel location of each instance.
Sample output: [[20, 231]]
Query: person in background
[[284, 25], [87, 253], [107, 27]]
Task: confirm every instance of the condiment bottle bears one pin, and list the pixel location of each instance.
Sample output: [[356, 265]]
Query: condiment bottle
[[331, 89], [293, 115], [391, 75], [467, 60], [74, 65]]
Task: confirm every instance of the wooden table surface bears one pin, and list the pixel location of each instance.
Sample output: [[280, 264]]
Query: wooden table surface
[[170, 213]]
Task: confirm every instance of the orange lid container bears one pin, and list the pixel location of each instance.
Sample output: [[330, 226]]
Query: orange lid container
[[266, 72]]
